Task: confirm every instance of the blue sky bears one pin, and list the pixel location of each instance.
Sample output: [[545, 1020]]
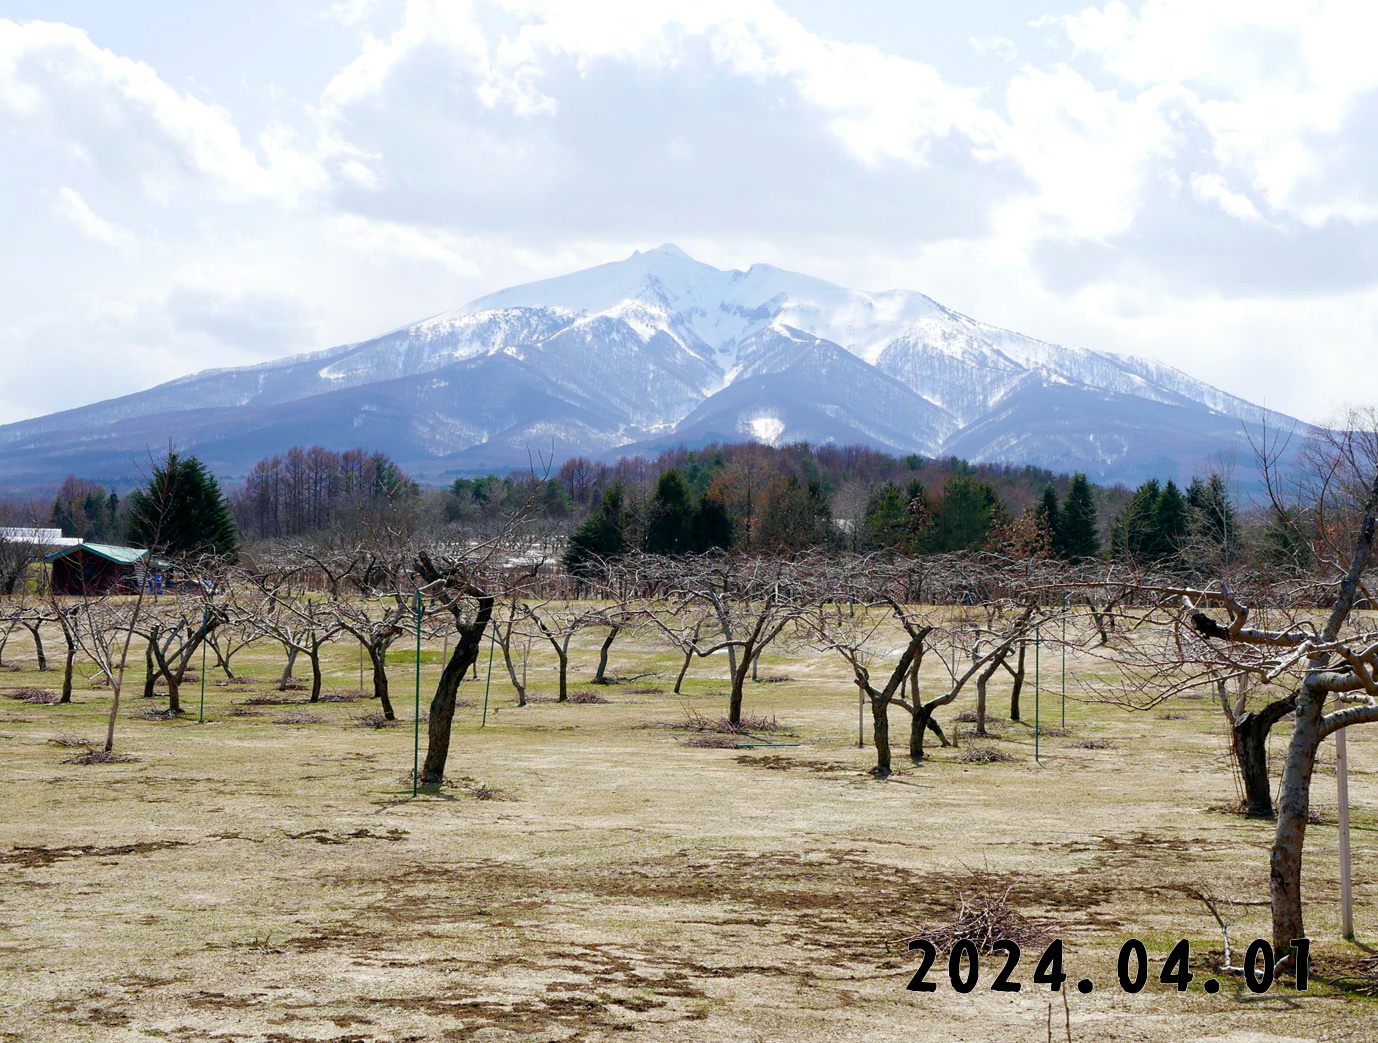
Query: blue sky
[[185, 185]]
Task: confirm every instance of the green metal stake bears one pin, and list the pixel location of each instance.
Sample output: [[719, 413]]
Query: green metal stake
[[1038, 643], [1064, 662], [492, 633], [205, 625], [416, 712]]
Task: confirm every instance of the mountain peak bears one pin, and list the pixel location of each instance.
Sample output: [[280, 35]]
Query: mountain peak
[[659, 348], [669, 251]]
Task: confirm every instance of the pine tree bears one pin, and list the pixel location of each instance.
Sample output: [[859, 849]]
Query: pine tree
[[969, 511], [885, 523], [669, 529], [1170, 523], [1047, 515], [712, 526], [1077, 534], [1132, 533], [1213, 523], [182, 511], [603, 533]]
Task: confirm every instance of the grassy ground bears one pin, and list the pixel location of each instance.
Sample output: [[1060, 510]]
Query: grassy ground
[[585, 877]]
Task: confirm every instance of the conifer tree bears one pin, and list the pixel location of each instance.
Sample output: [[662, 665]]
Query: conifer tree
[[713, 527], [886, 521], [1077, 534], [669, 528], [182, 511], [603, 533], [1047, 515]]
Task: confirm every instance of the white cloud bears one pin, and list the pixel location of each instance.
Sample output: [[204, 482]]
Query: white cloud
[[69, 205], [119, 117], [1194, 181]]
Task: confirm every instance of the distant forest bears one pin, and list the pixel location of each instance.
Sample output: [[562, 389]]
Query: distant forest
[[747, 496]]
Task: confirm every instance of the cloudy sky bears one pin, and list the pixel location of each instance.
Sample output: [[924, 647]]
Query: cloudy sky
[[186, 185]]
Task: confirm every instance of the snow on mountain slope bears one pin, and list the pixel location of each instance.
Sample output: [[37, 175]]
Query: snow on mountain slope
[[659, 347]]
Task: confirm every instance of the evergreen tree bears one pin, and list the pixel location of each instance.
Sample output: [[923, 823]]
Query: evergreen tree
[[182, 511], [793, 515], [1077, 534], [1132, 533], [885, 524], [1213, 523], [712, 525], [603, 533], [1047, 515], [1170, 524], [919, 524], [1283, 542], [970, 509], [670, 527]]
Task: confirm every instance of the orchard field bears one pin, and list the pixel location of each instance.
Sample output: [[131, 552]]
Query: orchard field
[[591, 872]]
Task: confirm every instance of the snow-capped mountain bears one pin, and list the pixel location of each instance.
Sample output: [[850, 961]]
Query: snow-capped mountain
[[660, 349]]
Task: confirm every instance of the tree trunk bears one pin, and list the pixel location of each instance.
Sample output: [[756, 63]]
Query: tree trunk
[[880, 728], [468, 640], [599, 676], [378, 657], [1018, 686], [682, 671], [1294, 802], [151, 672], [174, 689], [506, 642], [734, 706], [923, 715], [38, 647], [287, 670], [315, 656], [563, 654], [67, 668]]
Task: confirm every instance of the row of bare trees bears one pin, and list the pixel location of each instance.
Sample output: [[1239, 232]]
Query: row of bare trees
[[1267, 647]]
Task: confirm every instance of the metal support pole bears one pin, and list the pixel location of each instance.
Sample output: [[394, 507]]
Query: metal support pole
[[416, 712], [1038, 645], [1064, 662], [492, 635], [205, 627], [1346, 883]]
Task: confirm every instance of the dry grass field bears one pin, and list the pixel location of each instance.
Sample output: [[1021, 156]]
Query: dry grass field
[[267, 875]]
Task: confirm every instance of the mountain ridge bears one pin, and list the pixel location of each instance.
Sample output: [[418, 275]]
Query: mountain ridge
[[636, 354]]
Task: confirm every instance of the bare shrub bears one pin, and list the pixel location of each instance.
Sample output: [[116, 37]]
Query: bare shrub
[[297, 717], [159, 715], [70, 742], [1172, 717], [243, 711], [966, 717], [272, 700], [775, 679], [587, 697], [343, 697], [720, 742], [377, 719], [1094, 744], [987, 918], [94, 756], [983, 755], [33, 695]]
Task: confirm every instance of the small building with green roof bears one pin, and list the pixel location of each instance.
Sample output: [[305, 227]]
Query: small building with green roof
[[97, 568]]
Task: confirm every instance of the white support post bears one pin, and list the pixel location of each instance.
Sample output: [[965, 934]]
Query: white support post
[[1346, 882]]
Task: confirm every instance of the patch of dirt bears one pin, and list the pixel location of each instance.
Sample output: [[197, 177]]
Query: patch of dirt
[[34, 857], [777, 762], [323, 836]]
